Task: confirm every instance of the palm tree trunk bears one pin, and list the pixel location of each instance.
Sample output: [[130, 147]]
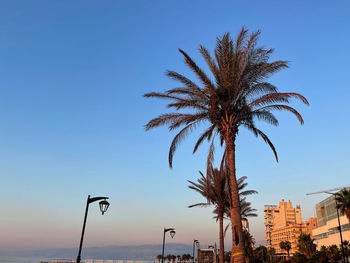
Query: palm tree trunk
[[237, 255], [221, 233]]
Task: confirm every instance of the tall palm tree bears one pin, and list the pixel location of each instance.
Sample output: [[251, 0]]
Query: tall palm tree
[[214, 188], [343, 202], [236, 96]]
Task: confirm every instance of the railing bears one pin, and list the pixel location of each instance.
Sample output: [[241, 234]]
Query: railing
[[63, 260]]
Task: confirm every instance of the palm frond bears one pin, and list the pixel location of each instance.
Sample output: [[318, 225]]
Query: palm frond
[[202, 76], [177, 139], [284, 107], [266, 139]]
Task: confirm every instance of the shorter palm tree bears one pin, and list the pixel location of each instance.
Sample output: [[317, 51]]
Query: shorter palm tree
[[214, 188], [346, 245], [245, 207], [248, 244], [271, 253], [260, 253], [343, 202], [334, 254], [169, 257], [286, 245], [306, 245], [322, 254], [185, 257]]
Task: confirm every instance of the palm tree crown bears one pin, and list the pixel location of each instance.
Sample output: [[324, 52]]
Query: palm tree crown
[[343, 202], [238, 96]]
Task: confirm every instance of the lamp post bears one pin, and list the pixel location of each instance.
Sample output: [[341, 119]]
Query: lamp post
[[194, 243], [103, 207], [172, 234]]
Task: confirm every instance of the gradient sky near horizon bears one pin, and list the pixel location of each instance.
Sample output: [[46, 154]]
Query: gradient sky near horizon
[[72, 75]]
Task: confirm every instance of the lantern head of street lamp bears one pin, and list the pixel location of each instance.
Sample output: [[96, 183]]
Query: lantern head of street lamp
[[172, 233], [104, 206]]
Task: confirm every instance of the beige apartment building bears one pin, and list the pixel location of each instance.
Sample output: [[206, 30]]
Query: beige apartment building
[[280, 216], [284, 223], [327, 231]]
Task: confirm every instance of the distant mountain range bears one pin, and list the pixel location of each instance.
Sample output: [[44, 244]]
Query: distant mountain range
[[142, 252]]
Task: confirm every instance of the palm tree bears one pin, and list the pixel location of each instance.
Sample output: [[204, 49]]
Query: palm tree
[[245, 207], [169, 257], [334, 253], [346, 245], [271, 253], [322, 254], [248, 244], [185, 257], [260, 253], [343, 202], [237, 97], [306, 245], [286, 245], [214, 188]]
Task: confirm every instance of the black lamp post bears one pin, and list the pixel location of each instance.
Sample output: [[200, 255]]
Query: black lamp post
[[194, 243], [172, 234], [103, 207]]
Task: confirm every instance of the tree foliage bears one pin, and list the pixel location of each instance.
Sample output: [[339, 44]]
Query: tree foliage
[[343, 202], [237, 95], [306, 245]]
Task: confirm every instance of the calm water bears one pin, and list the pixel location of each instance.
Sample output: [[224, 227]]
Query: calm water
[[4, 259]]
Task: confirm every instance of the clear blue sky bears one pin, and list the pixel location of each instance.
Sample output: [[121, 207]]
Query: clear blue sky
[[72, 75]]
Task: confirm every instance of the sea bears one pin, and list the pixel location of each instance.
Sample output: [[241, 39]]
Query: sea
[[5, 259]]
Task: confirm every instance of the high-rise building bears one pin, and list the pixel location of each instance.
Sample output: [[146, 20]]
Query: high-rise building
[[280, 216], [327, 231], [284, 223]]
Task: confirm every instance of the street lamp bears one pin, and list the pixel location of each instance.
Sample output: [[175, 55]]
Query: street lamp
[[103, 207], [172, 234], [194, 243]]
